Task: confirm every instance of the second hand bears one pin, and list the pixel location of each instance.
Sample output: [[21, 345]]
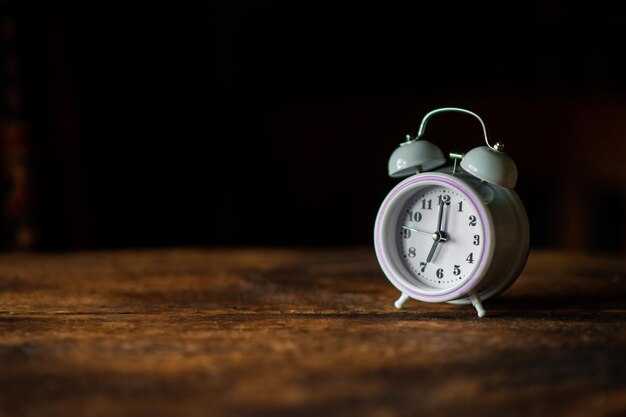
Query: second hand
[[412, 229]]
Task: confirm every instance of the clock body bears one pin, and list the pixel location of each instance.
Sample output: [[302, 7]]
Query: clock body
[[454, 238]]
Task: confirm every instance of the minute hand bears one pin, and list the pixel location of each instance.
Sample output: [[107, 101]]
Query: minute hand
[[437, 235], [440, 216]]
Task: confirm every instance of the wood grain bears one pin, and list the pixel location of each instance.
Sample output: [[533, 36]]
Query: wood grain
[[274, 332]]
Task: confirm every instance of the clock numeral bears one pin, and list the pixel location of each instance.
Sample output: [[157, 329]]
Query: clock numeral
[[457, 270], [406, 233], [470, 258], [422, 266], [472, 220], [445, 199], [476, 240], [440, 273], [416, 216], [412, 253], [460, 207], [428, 206]]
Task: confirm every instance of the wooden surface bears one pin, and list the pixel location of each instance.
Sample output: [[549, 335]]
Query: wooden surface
[[302, 333]]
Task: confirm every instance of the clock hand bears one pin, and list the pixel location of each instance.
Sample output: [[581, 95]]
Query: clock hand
[[439, 217], [412, 229], [439, 235], [432, 251]]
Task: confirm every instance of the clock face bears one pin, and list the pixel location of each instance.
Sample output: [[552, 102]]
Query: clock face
[[439, 236], [434, 237]]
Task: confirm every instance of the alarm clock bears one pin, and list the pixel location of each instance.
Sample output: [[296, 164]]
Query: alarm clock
[[456, 233]]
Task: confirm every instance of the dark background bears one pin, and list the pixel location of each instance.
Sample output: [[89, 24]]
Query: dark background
[[271, 122]]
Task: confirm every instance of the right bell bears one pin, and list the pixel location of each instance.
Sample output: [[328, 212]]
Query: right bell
[[491, 165]]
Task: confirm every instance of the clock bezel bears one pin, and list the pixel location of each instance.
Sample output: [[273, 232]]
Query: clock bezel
[[386, 246]]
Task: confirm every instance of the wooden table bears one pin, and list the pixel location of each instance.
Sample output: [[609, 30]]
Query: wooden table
[[302, 333]]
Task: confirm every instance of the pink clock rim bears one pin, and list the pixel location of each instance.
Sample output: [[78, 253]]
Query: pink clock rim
[[477, 275]]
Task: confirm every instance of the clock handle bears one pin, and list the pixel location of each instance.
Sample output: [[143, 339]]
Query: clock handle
[[420, 133]]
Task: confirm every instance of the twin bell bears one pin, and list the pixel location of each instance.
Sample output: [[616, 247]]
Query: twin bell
[[487, 163]]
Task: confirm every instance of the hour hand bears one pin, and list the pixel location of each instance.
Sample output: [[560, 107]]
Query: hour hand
[[432, 251]]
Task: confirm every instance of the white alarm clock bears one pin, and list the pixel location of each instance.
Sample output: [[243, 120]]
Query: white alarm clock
[[453, 234]]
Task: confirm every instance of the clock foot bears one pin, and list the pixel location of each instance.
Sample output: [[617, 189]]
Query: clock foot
[[477, 305], [400, 301]]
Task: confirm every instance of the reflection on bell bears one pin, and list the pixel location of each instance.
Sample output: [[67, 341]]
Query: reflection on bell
[[415, 155], [491, 166]]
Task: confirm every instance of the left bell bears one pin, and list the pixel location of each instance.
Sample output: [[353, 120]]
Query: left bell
[[415, 155]]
